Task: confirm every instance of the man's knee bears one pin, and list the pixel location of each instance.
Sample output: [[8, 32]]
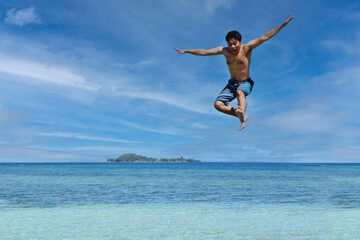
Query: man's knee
[[240, 93], [218, 105]]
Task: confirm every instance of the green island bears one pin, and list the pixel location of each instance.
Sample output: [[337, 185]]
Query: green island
[[131, 157]]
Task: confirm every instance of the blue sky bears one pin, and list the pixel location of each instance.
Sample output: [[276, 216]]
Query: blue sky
[[88, 80]]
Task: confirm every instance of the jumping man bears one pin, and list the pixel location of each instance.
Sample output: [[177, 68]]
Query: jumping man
[[238, 58]]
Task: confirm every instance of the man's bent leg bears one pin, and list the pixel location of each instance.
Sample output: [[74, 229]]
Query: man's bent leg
[[241, 108], [222, 107]]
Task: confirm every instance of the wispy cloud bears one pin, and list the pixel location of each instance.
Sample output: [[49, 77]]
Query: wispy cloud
[[85, 137], [22, 17], [10, 153], [332, 107], [139, 65], [62, 76], [352, 16], [39, 71], [352, 48], [345, 80], [8, 116], [12, 124], [212, 5], [165, 98], [303, 121], [169, 131]]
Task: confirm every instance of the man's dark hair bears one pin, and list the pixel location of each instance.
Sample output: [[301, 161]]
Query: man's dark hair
[[233, 34]]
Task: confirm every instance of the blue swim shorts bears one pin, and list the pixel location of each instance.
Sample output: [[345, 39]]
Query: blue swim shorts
[[229, 92]]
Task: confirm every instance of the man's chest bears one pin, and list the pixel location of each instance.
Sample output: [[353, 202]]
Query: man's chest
[[237, 60]]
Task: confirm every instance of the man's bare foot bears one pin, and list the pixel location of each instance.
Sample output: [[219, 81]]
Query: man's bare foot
[[243, 123], [243, 118], [239, 113]]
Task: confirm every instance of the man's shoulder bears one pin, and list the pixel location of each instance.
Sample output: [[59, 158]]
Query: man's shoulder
[[245, 46], [226, 50], [246, 49]]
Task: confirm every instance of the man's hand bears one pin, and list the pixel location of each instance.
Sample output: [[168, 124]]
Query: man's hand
[[180, 51], [288, 19]]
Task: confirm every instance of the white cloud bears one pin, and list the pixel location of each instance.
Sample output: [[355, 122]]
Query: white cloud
[[303, 121], [346, 154], [112, 150], [10, 153], [171, 100], [169, 131], [12, 124], [22, 17], [85, 137], [212, 5], [62, 76], [352, 16], [139, 65], [10, 116], [345, 80], [352, 48], [43, 72]]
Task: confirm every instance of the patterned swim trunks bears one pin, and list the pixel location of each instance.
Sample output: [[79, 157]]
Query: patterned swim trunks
[[229, 92]]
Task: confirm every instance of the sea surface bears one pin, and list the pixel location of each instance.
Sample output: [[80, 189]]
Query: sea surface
[[179, 201]]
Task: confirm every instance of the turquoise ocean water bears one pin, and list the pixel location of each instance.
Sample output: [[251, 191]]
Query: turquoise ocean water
[[179, 201]]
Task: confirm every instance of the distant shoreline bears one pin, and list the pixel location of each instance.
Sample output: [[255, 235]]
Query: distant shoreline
[[133, 158]]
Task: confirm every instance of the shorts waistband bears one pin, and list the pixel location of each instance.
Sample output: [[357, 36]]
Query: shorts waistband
[[233, 81]]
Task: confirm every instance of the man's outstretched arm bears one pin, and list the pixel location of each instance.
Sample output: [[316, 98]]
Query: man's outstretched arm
[[203, 52], [257, 42]]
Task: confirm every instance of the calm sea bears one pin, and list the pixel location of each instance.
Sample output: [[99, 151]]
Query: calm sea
[[179, 201]]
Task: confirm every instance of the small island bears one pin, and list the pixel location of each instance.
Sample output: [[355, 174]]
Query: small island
[[132, 158]]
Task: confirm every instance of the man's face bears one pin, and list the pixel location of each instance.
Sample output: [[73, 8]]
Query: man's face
[[234, 45]]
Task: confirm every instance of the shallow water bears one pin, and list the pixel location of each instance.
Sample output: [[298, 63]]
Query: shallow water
[[179, 201]]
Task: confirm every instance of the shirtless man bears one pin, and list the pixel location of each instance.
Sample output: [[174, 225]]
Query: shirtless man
[[238, 58]]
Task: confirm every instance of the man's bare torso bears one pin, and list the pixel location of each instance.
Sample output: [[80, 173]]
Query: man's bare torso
[[239, 64]]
